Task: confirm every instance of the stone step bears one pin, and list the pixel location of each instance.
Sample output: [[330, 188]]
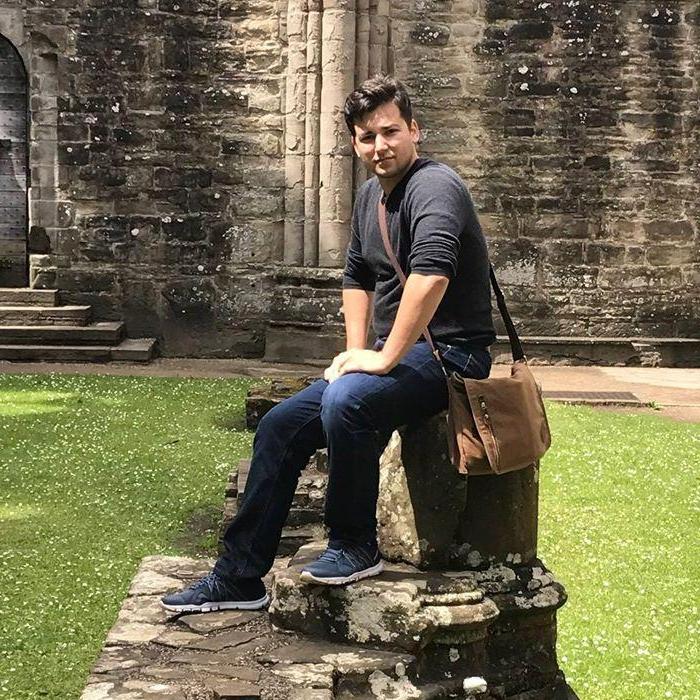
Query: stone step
[[45, 315], [316, 344], [262, 396], [312, 343], [100, 333], [135, 350], [238, 654], [131, 350], [316, 277], [25, 296], [604, 351], [295, 537], [305, 520]]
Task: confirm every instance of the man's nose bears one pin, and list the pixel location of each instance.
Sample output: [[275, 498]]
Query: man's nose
[[379, 143]]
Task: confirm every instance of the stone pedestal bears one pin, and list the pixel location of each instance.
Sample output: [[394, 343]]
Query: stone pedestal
[[463, 591], [496, 623], [464, 609], [432, 517]]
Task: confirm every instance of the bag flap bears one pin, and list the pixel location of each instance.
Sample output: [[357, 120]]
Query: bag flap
[[510, 417]]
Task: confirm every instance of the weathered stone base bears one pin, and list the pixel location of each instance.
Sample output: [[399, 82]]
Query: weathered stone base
[[150, 655], [232, 654], [498, 623]]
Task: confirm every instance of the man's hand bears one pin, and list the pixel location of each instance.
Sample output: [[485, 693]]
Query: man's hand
[[357, 360]]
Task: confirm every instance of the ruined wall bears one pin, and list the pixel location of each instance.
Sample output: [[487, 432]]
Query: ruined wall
[[575, 125], [159, 173], [168, 198]]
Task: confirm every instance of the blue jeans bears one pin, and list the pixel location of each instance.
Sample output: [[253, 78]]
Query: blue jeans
[[353, 417]]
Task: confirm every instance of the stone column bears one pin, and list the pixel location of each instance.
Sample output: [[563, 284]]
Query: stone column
[[314, 48], [295, 133], [379, 36], [361, 70], [333, 46], [458, 522], [362, 34], [335, 161]]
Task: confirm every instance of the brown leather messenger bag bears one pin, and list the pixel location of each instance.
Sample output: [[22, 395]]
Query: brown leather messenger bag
[[494, 425]]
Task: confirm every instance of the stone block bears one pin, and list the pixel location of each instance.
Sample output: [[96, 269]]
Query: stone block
[[597, 162], [672, 254], [233, 690], [263, 396], [223, 620], [42, 278], [184, 228], [86, 280], [431, 34], [181, 177], [531, 30], [673, 230], [450, 527], [191, 296], [403, 608], [38, 241]]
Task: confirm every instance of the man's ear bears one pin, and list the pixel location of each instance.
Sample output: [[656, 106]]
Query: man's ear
[[415, 131], [353, 141]]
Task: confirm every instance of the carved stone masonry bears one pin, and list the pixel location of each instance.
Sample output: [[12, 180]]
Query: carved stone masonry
[[333, 45]]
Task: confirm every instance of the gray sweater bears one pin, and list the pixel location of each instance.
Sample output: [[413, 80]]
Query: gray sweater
[[433, 230]]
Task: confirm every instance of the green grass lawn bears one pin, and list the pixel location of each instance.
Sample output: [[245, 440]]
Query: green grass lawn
[[96, 472], [619, 527]]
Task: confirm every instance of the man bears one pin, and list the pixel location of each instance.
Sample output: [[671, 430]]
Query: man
[[366, 393]]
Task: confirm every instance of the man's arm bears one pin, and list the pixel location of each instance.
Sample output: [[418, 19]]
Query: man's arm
[[421, 297], [357, 309], [419, 301]]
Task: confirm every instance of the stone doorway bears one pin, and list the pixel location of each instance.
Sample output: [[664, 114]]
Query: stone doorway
[[13, 167]]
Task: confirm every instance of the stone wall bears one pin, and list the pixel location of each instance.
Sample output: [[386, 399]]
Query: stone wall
[[575, 125], [161, 175], [167, 205]]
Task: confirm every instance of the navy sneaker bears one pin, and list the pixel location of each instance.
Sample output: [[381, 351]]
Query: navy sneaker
[[213, 593], [343, 562]]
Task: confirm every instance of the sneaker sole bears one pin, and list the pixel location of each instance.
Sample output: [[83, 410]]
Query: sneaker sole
[[375, 570], [223, 605]]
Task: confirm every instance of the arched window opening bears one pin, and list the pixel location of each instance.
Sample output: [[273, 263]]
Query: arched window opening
[[13, 167]]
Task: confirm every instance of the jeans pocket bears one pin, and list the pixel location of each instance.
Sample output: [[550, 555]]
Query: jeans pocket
[[469, 362]]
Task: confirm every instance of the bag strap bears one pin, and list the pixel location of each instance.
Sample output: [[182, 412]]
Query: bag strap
[[381, 211], [515, 344], [516, 347]]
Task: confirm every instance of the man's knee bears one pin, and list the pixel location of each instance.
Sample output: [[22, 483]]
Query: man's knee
[[280, 420], [341, 404]]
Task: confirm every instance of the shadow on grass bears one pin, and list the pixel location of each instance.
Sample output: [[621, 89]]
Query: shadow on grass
[[233, 422], [199, 535]]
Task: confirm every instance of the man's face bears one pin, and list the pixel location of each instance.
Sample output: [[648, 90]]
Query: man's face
[[385, 143]]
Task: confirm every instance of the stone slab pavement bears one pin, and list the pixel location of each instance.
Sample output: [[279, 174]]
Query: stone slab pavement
[[670, 392]]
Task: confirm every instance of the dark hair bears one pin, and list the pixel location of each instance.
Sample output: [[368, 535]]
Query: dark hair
[[374, 92]]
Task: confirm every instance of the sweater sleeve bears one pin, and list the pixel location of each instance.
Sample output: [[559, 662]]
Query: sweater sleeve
[[439, 213], [357, 274]]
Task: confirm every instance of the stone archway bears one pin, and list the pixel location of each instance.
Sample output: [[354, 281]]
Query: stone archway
[[13, 166]]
